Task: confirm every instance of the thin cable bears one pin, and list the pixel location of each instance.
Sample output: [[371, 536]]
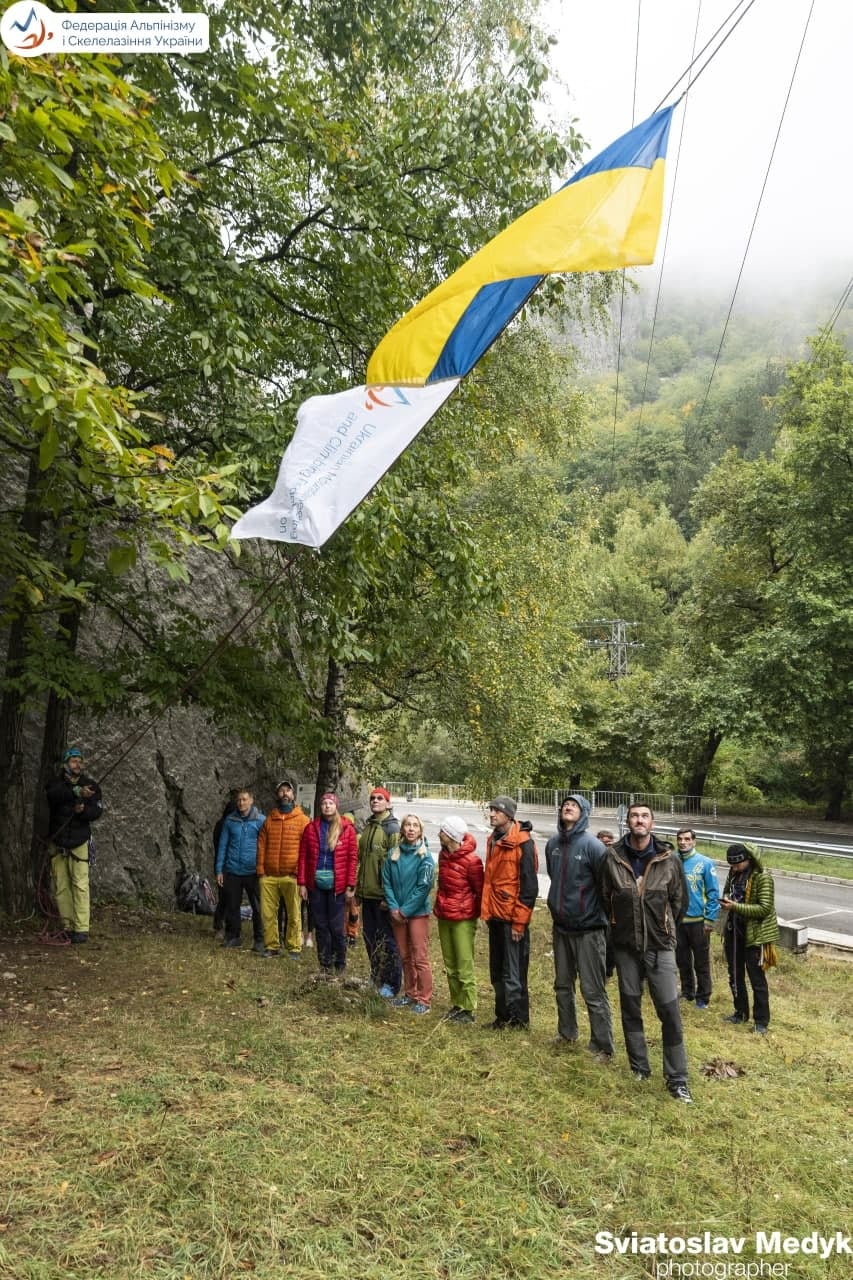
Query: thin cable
[[666, 233], [755, 218], [622, 293], [827, 329], [707, 43]]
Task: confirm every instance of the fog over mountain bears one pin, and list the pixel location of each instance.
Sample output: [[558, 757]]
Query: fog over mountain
[[723, 132]]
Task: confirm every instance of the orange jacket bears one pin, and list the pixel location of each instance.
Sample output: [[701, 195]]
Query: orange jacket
[[511, 885], [278, 842]]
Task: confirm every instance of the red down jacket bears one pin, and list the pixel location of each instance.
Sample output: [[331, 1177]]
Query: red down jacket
[[460, 882]]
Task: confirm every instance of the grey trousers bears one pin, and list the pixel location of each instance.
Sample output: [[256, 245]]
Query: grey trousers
[[581, 956], [658, 969]]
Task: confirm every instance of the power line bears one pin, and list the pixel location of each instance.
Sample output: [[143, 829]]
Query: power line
[[755, 216]]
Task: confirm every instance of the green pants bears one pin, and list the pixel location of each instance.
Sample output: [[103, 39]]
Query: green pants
[[457, 950], [273, 890], [70, 869]]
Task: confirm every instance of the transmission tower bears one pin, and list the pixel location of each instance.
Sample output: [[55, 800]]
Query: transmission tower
[[617, 646]]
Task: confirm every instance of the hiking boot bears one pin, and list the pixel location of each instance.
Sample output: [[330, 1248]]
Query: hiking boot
[[735, 1018], [386, 992], [232, 942], [760, 1029], [269, 954], [680, 1093], [701, 1004], [642, 1077], [450, 1016], [79, 937], [463, 1015], [400, 1002], [419, 1007], [293, 955], [259, 946]]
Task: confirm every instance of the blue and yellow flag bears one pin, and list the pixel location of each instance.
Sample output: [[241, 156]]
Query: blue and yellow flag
[[605, 217]]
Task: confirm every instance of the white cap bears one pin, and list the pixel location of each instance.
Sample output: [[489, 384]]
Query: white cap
[[454, 827]]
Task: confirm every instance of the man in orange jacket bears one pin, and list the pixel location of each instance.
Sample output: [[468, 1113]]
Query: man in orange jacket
[[509, 893], [278, 854]]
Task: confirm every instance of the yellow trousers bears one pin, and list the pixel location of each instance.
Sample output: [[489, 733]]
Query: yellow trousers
[[70, 871], [276, 889]]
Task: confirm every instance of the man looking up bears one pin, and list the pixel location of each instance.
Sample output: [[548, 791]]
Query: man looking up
[[644, 893], [575, 858], [694, 932], [277, 859], [509, 894], [381, 834]]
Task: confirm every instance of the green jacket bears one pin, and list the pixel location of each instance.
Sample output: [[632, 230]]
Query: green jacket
[[758, 907], [380, 834]]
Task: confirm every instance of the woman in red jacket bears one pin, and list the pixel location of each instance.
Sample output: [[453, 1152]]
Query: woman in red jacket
[[457, 906], [325, 874]]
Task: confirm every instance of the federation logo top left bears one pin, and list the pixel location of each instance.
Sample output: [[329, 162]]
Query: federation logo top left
[[27, 28]]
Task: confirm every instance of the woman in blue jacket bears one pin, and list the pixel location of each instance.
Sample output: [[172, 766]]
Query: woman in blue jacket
[[236, 869], [407, 876]]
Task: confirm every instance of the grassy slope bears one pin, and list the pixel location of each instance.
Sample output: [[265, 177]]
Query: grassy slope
[[175, 1110]]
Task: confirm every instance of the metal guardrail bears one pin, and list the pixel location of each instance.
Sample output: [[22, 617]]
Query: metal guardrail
[[677, 806], [602, 801], [766, 842]]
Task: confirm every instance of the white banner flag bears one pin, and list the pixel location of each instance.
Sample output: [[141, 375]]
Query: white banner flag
[[342, 447]]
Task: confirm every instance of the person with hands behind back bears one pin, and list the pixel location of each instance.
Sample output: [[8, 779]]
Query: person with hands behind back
[[407, 875]]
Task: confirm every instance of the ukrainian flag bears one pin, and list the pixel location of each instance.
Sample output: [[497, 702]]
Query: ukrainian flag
[[605, 217]]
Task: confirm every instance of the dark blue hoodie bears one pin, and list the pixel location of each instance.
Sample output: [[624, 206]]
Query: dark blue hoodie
[[574, 859]]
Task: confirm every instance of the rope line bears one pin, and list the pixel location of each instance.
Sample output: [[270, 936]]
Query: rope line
[[622, 291], [666, 233], [826, 330], [706, 45]]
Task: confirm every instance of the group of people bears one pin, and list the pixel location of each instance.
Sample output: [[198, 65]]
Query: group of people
[[636, 904]]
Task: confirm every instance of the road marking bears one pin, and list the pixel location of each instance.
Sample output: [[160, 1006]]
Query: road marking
[[836, 911]]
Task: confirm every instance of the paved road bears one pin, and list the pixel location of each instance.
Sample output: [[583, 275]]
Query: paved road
[[821, 904]]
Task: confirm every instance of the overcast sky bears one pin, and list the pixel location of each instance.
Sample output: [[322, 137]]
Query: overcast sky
[[730, 118]]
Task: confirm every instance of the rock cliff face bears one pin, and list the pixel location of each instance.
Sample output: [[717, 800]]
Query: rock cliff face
[[163, 800]]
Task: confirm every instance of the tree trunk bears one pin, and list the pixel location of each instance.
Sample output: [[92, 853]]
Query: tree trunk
[[16, 873], [54, 742], [837, 782], [328, 767], [695, 785]]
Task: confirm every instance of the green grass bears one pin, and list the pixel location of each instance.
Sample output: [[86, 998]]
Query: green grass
[[180, 1112]]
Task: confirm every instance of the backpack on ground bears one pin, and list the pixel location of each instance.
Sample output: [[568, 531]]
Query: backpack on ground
[[195, 895]]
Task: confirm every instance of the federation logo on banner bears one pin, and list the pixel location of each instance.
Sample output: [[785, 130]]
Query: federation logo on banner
[[30, 29], [27, 28]]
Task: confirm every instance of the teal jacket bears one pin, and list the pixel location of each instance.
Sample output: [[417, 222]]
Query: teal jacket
[[407, 876], [703, 892]]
